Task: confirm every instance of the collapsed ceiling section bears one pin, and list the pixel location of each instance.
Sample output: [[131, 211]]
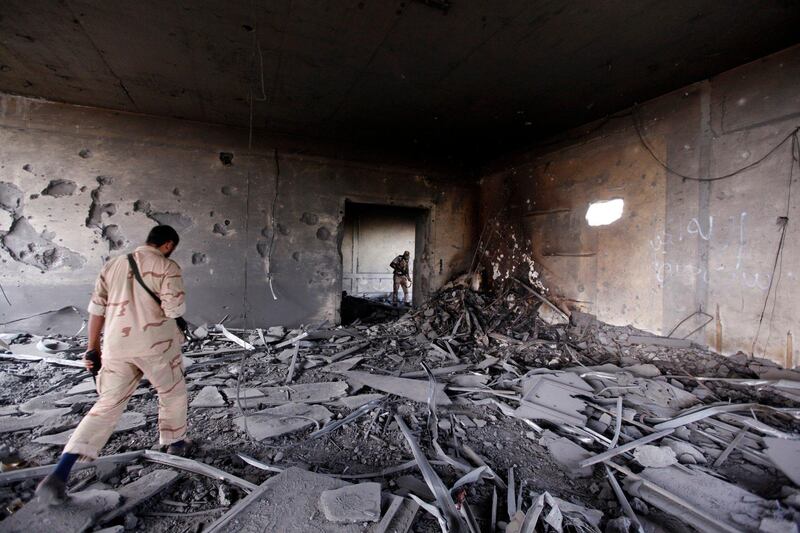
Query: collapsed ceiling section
[[465, 79]]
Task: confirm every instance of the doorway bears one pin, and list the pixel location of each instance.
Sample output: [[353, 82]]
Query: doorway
[[373, 235]]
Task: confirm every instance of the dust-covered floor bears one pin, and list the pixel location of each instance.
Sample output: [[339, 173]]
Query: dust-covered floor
[[488, 354]]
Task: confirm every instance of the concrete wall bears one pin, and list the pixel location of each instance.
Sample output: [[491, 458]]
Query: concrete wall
[[373, 237], [681, 245], [79, 184]]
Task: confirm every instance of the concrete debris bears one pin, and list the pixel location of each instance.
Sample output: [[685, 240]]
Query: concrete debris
[[82, 388], [776, 525], [655, 456], [353, 503], [10, 424], [287, 418], [566, 453], [568, 408], [399, 517], [552, 397], [686, 452], [80, 512], [129, 421], [412, 389], [141, 490], [354, 402], [732, 505], [785, 454], [288, 502], [643, 370], [208, 396]]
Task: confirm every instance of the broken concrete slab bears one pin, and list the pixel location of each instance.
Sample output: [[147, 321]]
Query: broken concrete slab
[[566, 453], [289, 503], [467, 380], [725, 502], [785, 454], [399, 516], [344, 365], [592, 516], [9, 424], [129, 421], [141, 490], [354, 402], [82, 388], [41, 403], [354, 503], [646, 370], [208, 397], [551, 396], [76, 399], [304, 393], [775, 525], [659, 341], [76, 515], [412, 389], [655, 456], [284, 419], [686, 453]]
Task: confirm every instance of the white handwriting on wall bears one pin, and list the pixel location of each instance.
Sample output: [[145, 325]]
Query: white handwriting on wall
[[721, 237]]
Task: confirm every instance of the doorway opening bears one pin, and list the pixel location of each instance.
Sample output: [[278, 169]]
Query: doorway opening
[[373, 236]]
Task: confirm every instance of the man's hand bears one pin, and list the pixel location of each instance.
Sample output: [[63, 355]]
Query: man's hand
[[92, 361], [87, 363]]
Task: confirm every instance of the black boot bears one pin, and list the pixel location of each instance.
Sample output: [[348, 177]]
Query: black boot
[[52, 490]]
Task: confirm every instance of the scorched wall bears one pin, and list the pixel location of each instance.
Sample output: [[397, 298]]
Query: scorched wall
[[681, 245], [80, 184]]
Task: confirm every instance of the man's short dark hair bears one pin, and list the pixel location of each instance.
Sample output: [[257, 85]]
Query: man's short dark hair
[[162, 234]]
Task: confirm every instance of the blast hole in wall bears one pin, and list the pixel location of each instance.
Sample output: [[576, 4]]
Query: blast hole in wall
[[604, 213]]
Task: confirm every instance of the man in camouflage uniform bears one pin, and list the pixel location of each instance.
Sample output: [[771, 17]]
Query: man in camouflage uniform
[[140, 338], [401, 277]]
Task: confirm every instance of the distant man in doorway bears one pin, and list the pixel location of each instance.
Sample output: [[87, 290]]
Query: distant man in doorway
[[140, 338], [401, 278]]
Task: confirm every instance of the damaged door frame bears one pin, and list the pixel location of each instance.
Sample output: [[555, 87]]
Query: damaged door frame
[[423, 267]]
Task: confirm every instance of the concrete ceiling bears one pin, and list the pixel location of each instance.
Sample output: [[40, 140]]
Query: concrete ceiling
[[475, 80]]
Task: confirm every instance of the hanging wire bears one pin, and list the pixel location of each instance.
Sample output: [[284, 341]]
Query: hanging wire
[[274, 224], [783, 222], [665, 166]]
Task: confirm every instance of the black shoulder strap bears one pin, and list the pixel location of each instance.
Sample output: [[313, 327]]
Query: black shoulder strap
[[182, 325], [138, 276]]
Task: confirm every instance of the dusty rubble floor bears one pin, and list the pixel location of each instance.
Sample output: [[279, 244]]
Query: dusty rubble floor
[[501, 442], [506, 328]]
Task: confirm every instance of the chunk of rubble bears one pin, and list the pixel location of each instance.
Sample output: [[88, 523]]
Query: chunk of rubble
[[655, 456], [304, 393], [76, 399], [208, 397], [41, 403], [82, 388], [566, 453], [722, 501], [129, 421], [77, 514], [413, 389], [141, 490], [785, 454], [10, 424], [645, 370], [552, 397], [686, 453], [287, 418], [354, 402], [353, 503], [289, 503]]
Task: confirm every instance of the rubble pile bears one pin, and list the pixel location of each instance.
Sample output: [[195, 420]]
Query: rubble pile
[[473, 412]]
